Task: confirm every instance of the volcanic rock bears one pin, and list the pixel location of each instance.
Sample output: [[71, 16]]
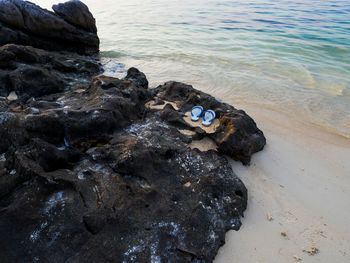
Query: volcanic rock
[[25, 23], [32, 72], [237, 134], [98, 168], [76, 13], [90, 171]]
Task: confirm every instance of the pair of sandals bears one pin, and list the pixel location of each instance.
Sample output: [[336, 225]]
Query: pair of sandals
[[207, 115]]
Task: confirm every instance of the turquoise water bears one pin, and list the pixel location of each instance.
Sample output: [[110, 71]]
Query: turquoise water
[[289, 56]]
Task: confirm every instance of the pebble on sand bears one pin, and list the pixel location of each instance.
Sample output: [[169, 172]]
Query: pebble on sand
[[312, 251]]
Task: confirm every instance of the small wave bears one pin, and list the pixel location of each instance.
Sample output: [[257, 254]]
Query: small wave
[[273, 22], [231, 21], [112, 54]]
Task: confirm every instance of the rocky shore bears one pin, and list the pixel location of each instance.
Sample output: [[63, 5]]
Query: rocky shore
[[99, 169]]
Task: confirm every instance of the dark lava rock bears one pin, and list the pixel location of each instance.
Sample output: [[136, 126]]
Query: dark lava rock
[[25, 23], [32, 72], [138, 77], [96, 177], [76, 13], [90, 173], [237, 135]]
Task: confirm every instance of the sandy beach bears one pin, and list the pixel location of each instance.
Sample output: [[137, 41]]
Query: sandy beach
[[299, 189]]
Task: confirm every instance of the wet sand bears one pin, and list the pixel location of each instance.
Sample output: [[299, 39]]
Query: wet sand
[[299, 192]]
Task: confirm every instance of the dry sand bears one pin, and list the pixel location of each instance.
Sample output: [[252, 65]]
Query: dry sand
[[299, 196]]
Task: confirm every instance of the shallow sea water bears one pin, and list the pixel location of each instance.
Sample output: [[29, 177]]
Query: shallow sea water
[[289, 56]]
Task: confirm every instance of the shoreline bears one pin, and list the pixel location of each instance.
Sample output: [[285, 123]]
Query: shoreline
[[238, 99], [300, 182], [82, 157]]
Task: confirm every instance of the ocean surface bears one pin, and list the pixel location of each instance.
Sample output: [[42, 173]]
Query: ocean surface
[[288, 56]]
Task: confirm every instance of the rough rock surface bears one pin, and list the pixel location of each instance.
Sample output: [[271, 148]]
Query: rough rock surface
[[32, 72], [89, 173], [237, 135], [76, 13], [25, 23], [94, 175]]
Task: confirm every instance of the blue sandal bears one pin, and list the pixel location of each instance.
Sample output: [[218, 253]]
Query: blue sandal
[[196, 113], [208, 117]]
